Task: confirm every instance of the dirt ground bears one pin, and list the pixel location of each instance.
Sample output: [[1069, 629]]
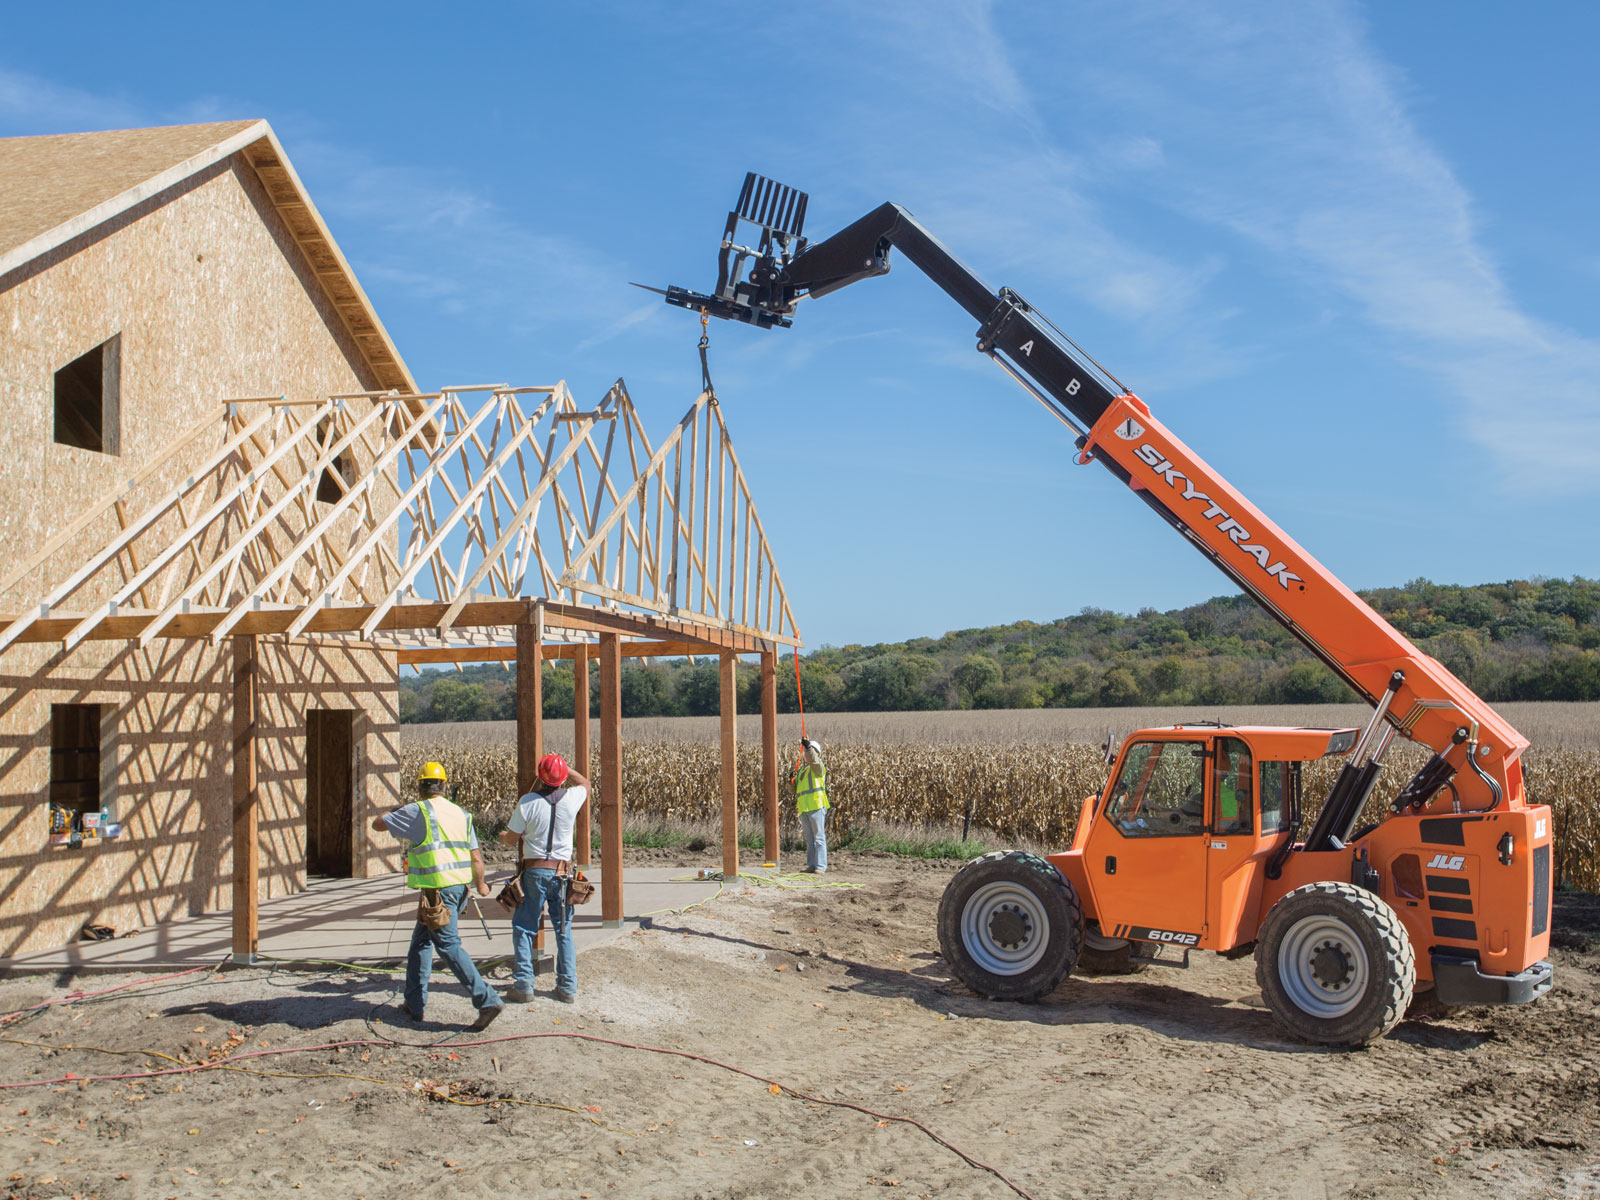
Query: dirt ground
[[1163, 1084]]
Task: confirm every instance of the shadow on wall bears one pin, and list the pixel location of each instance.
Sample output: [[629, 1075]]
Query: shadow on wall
[[172, 779]]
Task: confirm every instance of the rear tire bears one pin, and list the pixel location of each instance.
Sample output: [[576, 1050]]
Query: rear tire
[[1010, 926], [1335, 964], [1111, 956]]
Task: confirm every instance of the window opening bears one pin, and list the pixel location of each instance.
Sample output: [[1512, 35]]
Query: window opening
[[86, 399], [330, 489], [1235, 787], [1159, 791], [74, 765]]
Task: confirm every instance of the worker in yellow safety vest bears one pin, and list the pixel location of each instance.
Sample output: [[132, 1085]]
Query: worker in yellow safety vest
[[442, 858], [810, 779], [1234, 791]]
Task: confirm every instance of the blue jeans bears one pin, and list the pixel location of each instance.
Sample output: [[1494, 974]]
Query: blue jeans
[[814, 828], [541, 888], [447, 941]]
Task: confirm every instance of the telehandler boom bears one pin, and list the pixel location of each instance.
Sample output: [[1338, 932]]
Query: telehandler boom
[[1195, 840]]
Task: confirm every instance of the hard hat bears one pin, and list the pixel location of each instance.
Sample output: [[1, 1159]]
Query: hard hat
[[431, 770], [552, 770]]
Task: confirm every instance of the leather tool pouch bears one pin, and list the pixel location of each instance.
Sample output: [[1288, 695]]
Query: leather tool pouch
[[579, 889], [510, 897], [432, 911]]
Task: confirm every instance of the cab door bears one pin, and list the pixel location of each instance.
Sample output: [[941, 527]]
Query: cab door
[[1145, 858], [1236, 854]]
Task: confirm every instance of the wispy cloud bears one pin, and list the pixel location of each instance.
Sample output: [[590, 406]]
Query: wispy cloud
[[457, 243], [31, 105], [1284, 125]]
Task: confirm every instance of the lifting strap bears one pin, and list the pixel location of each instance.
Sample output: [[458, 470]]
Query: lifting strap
[[705, 366]]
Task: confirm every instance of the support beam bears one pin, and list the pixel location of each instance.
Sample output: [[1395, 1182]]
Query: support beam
[[610, 782], [530, 706], [246, 796], [769, 752], [580, 754], [530, 733], [730, 764], [415, 655]]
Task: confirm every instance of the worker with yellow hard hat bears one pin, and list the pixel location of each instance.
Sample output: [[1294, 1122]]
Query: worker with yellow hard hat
[[442, 858]]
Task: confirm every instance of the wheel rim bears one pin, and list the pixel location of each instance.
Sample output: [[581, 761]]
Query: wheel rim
[[1004, 928], [1323, 966]]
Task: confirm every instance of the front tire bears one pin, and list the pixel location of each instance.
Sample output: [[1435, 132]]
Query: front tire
[[1010, 926], [1335, 964]]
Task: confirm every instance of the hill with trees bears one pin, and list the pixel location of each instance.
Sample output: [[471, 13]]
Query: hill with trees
[[1521, 640]]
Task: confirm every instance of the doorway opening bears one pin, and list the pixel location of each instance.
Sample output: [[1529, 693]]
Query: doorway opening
[[330, 793]]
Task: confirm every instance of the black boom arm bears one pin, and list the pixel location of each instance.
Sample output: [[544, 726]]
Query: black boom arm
[[761, 285]]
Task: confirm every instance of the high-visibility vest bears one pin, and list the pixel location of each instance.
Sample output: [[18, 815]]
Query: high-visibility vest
[[445, 859], [1227, 803], [811, 788]]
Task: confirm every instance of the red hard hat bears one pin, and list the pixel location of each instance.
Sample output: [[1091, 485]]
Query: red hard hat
[[552, 770]]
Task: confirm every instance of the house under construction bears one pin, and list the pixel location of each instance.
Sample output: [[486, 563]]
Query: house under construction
[[230, 516]]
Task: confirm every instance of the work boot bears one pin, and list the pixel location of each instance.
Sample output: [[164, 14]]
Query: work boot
[[486, 1016], [564, 997], [516, 995], [412, 1013]]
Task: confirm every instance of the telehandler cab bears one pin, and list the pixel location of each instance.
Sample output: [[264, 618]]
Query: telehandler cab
[[1194, 842]]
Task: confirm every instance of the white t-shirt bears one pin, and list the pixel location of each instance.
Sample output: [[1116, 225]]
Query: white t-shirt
[[532, 821]]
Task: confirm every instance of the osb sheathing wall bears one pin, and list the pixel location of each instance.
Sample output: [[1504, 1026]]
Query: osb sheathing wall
[[169, 737], [213, 300]]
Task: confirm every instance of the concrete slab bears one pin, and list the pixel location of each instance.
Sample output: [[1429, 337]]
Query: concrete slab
[[367, 922]]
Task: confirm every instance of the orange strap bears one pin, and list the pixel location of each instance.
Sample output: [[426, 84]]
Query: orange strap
[[799, 696]]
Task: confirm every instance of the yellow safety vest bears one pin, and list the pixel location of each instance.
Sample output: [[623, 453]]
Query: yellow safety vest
[[811, 788], [445, 859], [1227, 803]]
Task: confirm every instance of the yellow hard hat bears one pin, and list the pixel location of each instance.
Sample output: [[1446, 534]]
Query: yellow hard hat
[[431, 770]]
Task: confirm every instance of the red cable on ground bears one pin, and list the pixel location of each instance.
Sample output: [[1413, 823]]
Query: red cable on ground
[[523, 1037]]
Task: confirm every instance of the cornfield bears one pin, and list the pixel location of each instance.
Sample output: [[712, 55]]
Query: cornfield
[[1023, 786]]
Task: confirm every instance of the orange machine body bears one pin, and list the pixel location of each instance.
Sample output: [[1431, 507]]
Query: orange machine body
[[1142, 865]]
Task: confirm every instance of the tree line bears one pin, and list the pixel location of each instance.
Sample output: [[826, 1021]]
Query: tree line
[[1520, 640]]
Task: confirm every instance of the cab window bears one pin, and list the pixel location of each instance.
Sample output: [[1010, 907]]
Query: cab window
[[1160, 790], [1274, 794], [1235, 778]]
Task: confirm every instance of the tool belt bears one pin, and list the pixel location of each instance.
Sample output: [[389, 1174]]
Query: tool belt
[[579, 889], [432, 911]]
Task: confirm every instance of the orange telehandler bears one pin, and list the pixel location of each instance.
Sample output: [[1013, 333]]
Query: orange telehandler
[[1195, 843]]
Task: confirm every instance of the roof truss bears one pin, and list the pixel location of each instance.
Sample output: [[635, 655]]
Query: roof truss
[[384, 506]]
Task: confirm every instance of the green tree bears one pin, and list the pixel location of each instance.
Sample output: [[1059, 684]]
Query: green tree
[[976, 673]]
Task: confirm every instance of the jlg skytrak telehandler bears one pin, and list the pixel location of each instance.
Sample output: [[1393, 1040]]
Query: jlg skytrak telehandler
[[1195, 841]]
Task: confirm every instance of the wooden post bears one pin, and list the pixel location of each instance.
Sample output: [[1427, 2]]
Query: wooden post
[[769, 751], [610, 781], [530, 706], [580, 749], [730, 765], [246, 796], [530, 730]]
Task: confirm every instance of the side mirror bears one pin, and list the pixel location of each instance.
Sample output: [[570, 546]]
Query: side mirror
[[1110, 746]]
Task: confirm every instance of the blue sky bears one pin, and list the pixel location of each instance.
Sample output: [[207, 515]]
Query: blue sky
[[1347, 252]]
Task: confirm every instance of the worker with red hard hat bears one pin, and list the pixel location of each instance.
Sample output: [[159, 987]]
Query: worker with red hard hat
[[543, 824]]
